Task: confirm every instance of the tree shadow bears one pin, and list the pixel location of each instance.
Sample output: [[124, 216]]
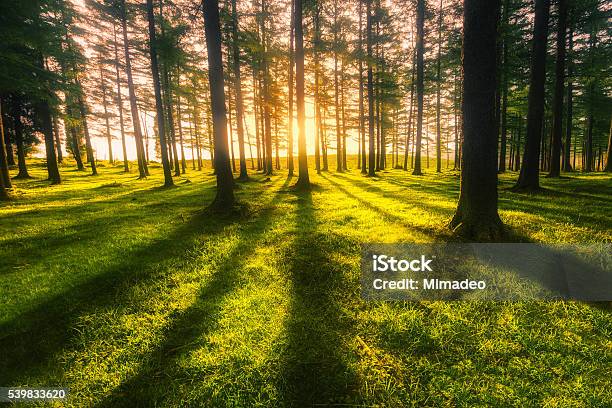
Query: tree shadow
[[313, 365], [187, 330], [31, 339]]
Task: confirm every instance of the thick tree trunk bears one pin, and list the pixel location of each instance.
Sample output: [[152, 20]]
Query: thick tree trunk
[[238, 91], [570, 103], [47, 130], [290, 164], [476, 217], [224, 199], [159, 108], [504, 90], [303, 179], [420, 21], [555, 157], [142, 164], [529, 178]]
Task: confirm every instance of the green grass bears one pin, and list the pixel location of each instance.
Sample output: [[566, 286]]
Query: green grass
[[131, 295]]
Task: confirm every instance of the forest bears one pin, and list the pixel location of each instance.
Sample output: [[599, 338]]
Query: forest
[[185, 187]]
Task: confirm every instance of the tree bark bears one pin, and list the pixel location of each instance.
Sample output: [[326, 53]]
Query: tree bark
[[88, 147], [303, 179], [504, 96], [529, 178], [420, 20], [109, 137], [608, 167], [555, 158], [4, 171], [371, 135], [438, 85], [238, 94], [159, 108], [19, 142], [476, 217], [569, 120], [224, 199], [142, 164], [126, 165]]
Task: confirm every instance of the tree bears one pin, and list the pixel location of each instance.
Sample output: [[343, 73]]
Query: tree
[[371, 136], [224, 199], [238, 92], [476, 216], [168, 182], [420, 33], [529, 178], [290, 164], [555, 163], [5, 178], [303, 182], [142, 163]]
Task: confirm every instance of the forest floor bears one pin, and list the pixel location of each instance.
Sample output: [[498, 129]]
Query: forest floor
[[130, 295]]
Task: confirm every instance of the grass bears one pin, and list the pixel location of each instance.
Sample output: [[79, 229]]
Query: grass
[[131, 295]]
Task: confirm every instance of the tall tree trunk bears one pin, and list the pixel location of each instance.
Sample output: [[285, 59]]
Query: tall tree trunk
[[343, 115], [224, 199], [336, 93], [570, 73], [4, 171], [364, 169], [109, 137], [317, 99], [504, 86], [371, 135], [238, 92], [142, 164], [410, 110], [420, 20], [438, 85], [476, 216], [19, 142], [303, 179], [529, 178], [266, 89], [555, 158], [290, 164], [159, 107], [126, 166], [180, 129]]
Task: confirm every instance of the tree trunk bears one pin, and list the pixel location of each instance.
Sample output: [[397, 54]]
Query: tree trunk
[[109, 137], [57, 140], [317, 99], [126, 166], [266, 90], [420, 19], [19, 142], [504, 96], [224, 199], [438, 80], [303, 179], [88, 147], [555, 157], [4, 171], [476, 217], [371, 135], [142, 164], [238, 92], [290, 165], [529, 178], [608, 167], [159, 108], [569, 120]]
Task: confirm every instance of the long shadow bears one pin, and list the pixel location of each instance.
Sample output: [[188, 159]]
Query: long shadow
[[30, 340], [391, 196], [391, 217], [187, 331], [313, 366]]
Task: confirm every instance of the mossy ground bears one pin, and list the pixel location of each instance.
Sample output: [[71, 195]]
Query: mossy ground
[[132, 295]]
